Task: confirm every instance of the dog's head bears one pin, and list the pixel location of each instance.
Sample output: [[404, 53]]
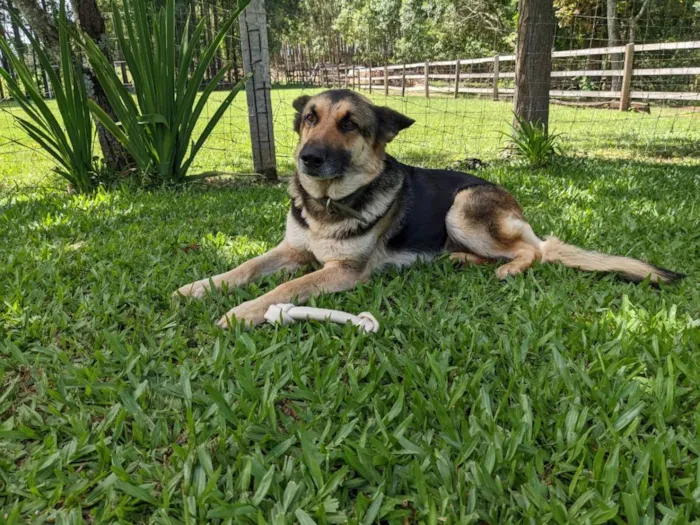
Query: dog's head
[[342, 135]]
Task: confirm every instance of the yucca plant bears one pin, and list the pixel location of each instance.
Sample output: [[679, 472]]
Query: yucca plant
[[532, 143], [69, 142], [157, 127]]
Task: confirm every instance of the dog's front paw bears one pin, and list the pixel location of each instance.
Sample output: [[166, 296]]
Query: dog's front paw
[[248, 314], [506, 271], [197, 289]]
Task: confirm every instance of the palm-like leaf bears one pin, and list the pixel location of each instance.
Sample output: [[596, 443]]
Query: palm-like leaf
[[157, 128], [533, 143], [70, 144]]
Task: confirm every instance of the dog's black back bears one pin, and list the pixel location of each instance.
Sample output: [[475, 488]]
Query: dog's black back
[[427, 195]]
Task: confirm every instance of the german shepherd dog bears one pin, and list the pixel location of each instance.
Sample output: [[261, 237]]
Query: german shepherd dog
[[355, 209]]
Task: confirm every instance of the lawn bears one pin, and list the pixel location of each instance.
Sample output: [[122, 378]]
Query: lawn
[[557, 396]]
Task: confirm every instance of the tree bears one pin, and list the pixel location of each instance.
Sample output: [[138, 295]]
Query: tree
[[17, 37], [4, 61], [533, 66], [92, 23], [218, 62], [634, 21], [614, 41]]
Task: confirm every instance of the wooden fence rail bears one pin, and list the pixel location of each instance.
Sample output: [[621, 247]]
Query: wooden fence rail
[[393, 77]]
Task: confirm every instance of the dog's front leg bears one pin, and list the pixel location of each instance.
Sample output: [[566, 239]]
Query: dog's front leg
[[334, 277], [279, 258]]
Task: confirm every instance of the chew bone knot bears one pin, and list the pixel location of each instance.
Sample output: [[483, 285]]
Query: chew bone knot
[[286, 314]]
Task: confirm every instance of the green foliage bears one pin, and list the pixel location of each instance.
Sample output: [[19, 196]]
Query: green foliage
[[69, 142], [556, 397], [532, 143], [383, 31], [157, 129]]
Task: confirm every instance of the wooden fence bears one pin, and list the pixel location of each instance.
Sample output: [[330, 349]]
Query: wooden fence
[[395, 78]]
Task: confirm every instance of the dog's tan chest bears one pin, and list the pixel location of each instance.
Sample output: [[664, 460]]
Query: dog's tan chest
[[321, 239]]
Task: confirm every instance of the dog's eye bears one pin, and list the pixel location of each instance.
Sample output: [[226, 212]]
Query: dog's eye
[[348, 125], [310, 119]]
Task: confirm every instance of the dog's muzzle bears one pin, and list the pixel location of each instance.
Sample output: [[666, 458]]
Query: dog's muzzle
[[322, 162]]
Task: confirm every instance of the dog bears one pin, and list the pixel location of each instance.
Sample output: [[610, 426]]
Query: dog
[[355, 209]]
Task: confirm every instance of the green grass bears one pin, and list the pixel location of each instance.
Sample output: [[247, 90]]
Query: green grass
[[554, 397]]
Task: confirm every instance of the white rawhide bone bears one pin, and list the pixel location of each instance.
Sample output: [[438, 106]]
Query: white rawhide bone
[[289, 313]]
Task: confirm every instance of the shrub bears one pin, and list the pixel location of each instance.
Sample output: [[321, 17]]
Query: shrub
[[532, 143], [157, 127], [69, 143]]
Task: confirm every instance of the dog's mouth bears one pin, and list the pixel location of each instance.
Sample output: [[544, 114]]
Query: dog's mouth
[[321, 173]]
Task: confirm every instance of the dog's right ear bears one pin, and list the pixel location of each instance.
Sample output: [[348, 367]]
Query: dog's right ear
[[389, 123], [299, 104]]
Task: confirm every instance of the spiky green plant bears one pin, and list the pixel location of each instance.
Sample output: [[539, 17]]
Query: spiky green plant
[[532, 143], [157, 127], [69, 143]]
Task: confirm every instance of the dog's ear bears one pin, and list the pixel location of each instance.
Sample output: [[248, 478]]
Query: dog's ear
[[389, 123], [299, 104]]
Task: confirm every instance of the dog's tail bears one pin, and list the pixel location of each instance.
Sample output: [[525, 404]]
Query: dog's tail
[[554, 250]]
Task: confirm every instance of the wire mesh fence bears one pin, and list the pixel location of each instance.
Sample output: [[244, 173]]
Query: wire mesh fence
[[464, 109]]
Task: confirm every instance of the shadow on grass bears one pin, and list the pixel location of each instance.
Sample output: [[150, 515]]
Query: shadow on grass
[[656, 147], [8, 104]]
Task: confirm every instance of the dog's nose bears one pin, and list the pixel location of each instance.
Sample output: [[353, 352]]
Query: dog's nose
[[312, 158]]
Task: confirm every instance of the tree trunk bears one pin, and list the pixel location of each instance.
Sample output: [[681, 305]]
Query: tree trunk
[[634, 21], [193, 24], [17, 37], [229, 52], [207, 31], [44, 74], [37, 70], [92, 22], [234, 50], [614, 41], [218, 62], [41, 24], [533, 67], [4, 61]]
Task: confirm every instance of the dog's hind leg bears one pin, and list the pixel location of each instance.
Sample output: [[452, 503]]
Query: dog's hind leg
[[469, 258], [487, 221]]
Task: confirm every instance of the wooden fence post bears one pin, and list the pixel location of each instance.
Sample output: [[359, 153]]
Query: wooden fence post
[[386, 81], [403, 81], [256, 60], [337, 74], [345, 83], [427, 79], [627, 78], [353, 76], [370, 78], [125, 76], [495, 77], [457, 79]]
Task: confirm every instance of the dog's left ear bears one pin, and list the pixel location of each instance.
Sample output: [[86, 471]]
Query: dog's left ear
[[299, 104], [389, 123]]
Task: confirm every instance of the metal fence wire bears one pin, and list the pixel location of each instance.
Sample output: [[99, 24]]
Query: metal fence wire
[[621, 101]]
